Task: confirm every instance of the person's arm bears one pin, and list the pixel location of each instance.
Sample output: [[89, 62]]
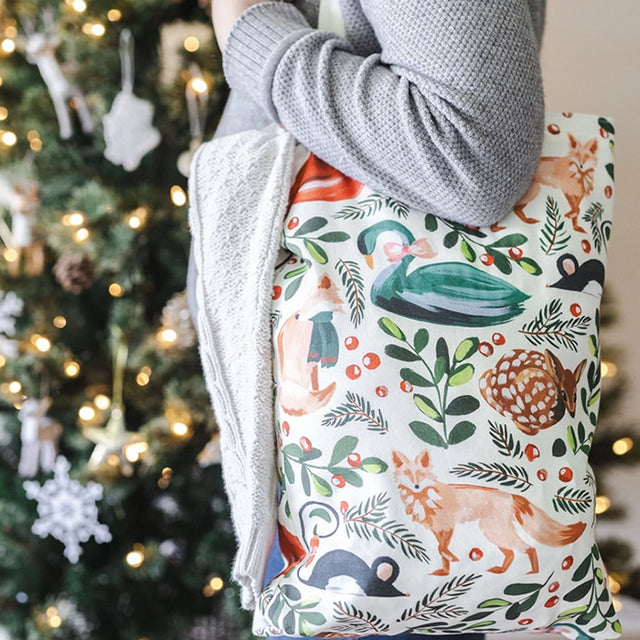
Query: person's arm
[[448, 118]]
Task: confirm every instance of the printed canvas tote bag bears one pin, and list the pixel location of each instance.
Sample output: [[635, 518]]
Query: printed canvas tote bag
[[437, 390]]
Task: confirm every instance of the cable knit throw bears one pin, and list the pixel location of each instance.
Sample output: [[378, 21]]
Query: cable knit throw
[[238, 200]]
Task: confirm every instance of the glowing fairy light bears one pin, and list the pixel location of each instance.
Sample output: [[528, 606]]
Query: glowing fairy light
[[71, 369], [59, 322], [9, 138], [622, 446], [115, 290], [178, 196], [86, 413], [191, 44], [102, 402]]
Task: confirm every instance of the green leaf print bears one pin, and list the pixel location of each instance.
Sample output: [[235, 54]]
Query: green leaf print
[[334, 236], [450, 240], [510, 240], [461, 432], [316, 251], [579, 592], [415, 378], [493, 602], [462, 405], [391, 328], [420, 340], [427, 434], [400, 353], [374, 465], [291, 290], [310, 226], [461, 375], [430, 222], [321, 485], [500, 261], [466, 349], [342, 449], [607, 125], [530, 266], [442, 352], [467, 251], [427, 407]]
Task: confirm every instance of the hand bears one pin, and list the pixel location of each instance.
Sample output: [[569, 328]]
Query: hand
[[224, 13]]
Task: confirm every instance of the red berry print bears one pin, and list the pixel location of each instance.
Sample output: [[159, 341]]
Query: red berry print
[[542, 475], [382, 391], [608, 191], [344, 507], [279, 441], [305, 444], [551, 602], [293, 223], [575, 309], [292, 260], [604, 133], [554, 586], [567, 114], [475, 554], [516, 253], [276, 292], [565, 474], [371, 360], [532, 452], [351, 343], [407, 387], [586, 246], [353, 372], [354, 460], [285, 428], [497, 338], [338, 481], [567, 563], [553, 129], [486, 259], [525, 621], [485, 348]]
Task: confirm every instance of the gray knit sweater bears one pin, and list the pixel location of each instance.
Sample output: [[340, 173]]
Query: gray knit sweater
[[437, 103]]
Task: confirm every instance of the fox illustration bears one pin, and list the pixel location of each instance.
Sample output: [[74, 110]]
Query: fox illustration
[[573, 174], [439, 507], [307, 340]]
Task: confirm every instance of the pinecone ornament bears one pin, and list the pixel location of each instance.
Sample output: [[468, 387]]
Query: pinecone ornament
[[74, 272], [176, 316]]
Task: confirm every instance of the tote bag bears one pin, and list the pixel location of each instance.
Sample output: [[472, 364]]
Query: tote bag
[[437, 390]]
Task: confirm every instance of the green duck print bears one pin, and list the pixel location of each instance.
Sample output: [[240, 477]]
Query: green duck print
[[451, 293]]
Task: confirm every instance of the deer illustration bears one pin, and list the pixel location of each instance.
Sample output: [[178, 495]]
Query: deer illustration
[[531, 388]]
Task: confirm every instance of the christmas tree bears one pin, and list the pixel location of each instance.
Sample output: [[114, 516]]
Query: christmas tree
[[113, 520]]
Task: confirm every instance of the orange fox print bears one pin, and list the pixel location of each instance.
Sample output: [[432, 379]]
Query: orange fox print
[[439, 507], [573, 174], [531, 388], [307, 341]]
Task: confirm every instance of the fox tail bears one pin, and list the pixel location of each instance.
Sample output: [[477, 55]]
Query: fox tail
[[543, 528], [297, 400]]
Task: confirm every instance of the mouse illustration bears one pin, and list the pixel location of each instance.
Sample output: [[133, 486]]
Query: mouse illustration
[[344, 572], [587, 277]]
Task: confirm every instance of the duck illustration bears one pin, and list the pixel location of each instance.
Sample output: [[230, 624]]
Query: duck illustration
[[451, 293]]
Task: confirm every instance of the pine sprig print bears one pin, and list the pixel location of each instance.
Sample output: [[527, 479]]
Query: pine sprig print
[[369, 520], [505, 442], [554, 236], [548, 326], [370, 206], [601, 231], [352, 621], [356, 409], [572, 500], [503, 474], [436, 603], [353, 283]]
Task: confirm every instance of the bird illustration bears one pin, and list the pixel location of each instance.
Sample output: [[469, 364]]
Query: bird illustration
[[451, 293]]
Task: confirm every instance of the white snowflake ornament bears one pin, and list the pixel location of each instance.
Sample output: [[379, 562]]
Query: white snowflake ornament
[[67, 510], [128, 130], [10, 308]]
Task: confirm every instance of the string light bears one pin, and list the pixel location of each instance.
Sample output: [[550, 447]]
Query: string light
[[4, 113], [143, 377], [60, 322], [73, 219], [8, 138], [3, 361], [35, 144], [114, 15], [14, 387], [8, 46], [165, 478], [137, 218], [53, 619], [86, 413], [191, 44], [95, 29], [11, 31], [608, 369], [167, 336], [134, 450], [115, 290], [180, 429], [113, 460], [102, 402], [602, 504], [71, 369], [215, 584], [41, 343], [81, 234], [135, 557], [199, 85], [622, 446], [79, 6], [178, 196]]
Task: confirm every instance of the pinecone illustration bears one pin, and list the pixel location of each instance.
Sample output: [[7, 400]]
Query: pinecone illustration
[[74, 272]]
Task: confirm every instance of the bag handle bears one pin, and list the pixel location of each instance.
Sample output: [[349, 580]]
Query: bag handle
[[330, 17]]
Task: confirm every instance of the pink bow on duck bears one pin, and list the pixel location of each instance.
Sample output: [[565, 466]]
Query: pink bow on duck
[[419, 249]]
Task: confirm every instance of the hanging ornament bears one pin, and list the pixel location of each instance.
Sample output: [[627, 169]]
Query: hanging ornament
[[40, 48], [210, 453], [176, 318], [74, 272], [39, 435], [67, 510], [20, 197], [197, 97], [10, 308], [113, 439], [128, 130]]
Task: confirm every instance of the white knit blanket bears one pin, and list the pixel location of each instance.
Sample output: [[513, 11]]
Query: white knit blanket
[[238, 193]]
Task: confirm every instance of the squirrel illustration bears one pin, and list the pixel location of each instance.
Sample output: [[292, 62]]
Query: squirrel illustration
[[307, 340], [337, 570], [587, 277], [573, 174], [440, 507]]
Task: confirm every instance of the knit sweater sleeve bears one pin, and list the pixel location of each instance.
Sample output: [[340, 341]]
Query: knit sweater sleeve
[[448, 117]]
